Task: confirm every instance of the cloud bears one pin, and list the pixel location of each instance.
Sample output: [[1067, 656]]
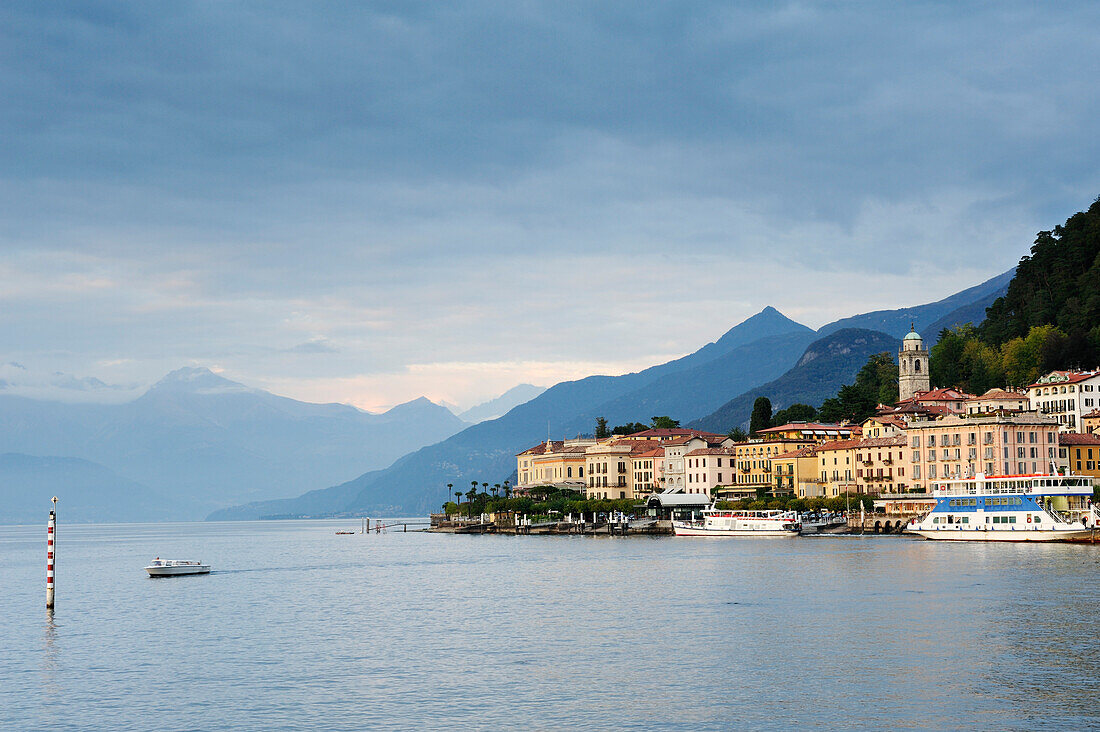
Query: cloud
[[16, 379], [254, 186]]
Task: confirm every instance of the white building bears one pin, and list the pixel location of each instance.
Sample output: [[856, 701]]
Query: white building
[[1067, 396], [675, 476]]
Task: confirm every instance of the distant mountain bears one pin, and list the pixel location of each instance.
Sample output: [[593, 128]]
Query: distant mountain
[[685, 388], [320, 502], [690, 388], [87, 491], [214, 442], [970, 302], [827, 364], [502, 404]]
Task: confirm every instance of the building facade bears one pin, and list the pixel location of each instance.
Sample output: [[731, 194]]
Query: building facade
[[558, 463], [958, 446], [1066, 396], [1080, 453], [998, 400]]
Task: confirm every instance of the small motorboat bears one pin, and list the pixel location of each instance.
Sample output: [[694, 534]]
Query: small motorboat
[[344, 532], [175, 567]]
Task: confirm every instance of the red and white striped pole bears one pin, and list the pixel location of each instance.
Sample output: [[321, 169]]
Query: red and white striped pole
[[51, 536]]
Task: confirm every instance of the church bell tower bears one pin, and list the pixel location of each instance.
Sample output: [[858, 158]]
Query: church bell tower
[[912, 366]]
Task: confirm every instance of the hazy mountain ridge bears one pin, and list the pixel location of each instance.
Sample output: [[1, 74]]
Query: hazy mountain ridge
[[88, 492], [215, 442], [927, 318], [486, 452], [502, 404]]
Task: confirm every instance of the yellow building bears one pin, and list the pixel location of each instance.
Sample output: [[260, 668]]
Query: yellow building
[[883, 425], [560, 463], [1080, 452], [809, 432], [611, 469], [753, 461], [836, 467], [794, 470], [1090, 422]]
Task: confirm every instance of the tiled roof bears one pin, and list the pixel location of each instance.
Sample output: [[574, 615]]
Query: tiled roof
[[1068, 377], [893, 441], [938, 395], [1076, 438], [1001, 394], [710, 451], [839, 445], [708, 437], [804, 452], [553, 447], [809, 427], [1092, 414], [657, 452]]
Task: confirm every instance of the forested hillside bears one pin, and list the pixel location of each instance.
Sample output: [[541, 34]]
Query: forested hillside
[[1048, 319], [1059, 285]]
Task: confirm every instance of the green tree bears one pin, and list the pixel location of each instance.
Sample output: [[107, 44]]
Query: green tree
[[664, 422], [602, 433], [761, 415], [738, 435], [629, 428], [794, 413]]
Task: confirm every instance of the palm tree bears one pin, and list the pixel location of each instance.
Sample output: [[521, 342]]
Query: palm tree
[[496, 489], [458, 497]]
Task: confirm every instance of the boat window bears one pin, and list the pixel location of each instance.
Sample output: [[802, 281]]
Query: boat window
[[1011, 519], [1038, 518]]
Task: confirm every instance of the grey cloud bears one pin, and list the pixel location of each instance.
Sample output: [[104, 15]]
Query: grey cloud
[[219, 183]]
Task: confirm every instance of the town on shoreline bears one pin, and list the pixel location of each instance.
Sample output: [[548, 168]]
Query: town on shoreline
[[878, 472]]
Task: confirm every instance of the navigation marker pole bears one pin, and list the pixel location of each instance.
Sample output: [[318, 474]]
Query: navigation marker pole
[[51, 535]]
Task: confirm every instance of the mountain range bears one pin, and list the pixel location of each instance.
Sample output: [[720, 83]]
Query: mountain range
[[502, 404], [211, 442], [768, 354], [197, 444]]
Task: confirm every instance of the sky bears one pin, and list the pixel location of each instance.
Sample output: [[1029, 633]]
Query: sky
[[367, 203]]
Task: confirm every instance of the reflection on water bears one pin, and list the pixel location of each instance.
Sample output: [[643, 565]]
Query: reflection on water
[[299, 629]]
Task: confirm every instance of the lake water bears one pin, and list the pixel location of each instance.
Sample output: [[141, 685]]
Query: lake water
[[298, 628]]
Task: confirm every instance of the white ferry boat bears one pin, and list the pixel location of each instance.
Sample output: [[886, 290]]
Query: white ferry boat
[[722, 522], [1010, 508], [174, 567]]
